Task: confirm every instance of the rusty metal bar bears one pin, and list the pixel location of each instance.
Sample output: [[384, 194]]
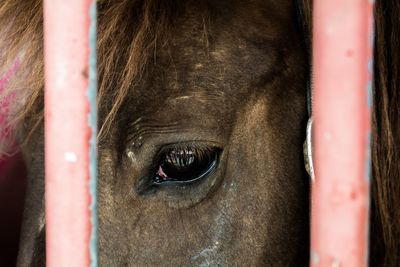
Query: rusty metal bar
[[342, 67], [70, 130]]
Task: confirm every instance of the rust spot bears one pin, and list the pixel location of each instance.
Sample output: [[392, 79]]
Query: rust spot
[[349, 53], [85, 73], [353, 195]]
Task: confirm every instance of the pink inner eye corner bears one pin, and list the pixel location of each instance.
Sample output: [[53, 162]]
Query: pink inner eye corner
[[161, 174]]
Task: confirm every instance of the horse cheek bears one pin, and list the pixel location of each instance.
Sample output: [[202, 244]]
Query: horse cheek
[[267, 176]]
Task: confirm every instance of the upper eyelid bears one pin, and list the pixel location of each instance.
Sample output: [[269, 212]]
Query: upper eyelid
[[137, 130], [206, 145], [157, 139], [146, 129], [189, 144]]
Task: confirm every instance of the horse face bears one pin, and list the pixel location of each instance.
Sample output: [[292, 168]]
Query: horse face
[[204, 165], [207, 166]]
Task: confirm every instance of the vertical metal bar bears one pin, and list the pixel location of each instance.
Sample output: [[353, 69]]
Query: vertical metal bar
[[70, 131], [342, 65]]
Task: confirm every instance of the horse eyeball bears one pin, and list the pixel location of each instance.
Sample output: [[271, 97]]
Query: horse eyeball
[[185, 164]]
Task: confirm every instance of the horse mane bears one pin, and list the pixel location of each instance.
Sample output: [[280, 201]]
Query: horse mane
[[130, 32], [21, 37], [385, 184]]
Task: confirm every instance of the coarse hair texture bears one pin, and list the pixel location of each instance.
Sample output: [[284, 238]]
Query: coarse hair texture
[[385, 227], [129, 33]]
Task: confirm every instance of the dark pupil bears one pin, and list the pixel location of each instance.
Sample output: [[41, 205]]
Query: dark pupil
[[183, 165], [177, 162]]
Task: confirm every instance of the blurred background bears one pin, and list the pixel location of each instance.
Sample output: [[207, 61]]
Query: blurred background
[[12, 192]]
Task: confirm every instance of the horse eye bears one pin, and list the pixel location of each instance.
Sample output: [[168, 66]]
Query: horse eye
[[182, 165]]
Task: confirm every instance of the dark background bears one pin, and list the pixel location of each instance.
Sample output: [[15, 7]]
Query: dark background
[[12, 191]]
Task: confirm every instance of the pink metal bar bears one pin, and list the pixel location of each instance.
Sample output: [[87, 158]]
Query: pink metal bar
[[67, 133], [342, 63]]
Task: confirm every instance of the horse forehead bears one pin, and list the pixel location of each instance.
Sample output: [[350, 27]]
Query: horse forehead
[[248, 18], [214, 62], [227, 66], [209, 50]]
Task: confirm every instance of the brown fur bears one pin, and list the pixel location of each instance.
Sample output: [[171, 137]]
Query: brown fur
[[149, 23], [385, 238]]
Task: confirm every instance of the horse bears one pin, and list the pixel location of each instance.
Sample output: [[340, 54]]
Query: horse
[[202, 114]]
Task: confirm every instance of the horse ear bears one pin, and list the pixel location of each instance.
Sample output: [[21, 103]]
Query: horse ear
[[307, 151]]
